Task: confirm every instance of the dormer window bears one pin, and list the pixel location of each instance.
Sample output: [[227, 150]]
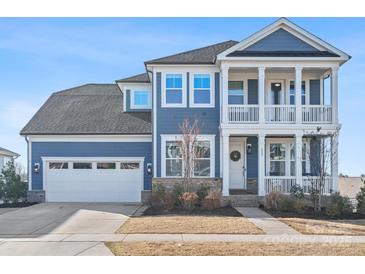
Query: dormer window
[[140, 99]]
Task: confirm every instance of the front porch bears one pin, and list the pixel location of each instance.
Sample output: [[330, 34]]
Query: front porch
[[259, 164]]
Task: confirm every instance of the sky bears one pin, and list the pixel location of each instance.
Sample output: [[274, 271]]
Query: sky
[[39, 56]]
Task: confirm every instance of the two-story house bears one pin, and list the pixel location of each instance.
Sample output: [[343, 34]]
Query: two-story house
[[259, 104]]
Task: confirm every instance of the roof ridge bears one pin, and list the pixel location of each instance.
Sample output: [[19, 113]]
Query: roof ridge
[[83, 85]]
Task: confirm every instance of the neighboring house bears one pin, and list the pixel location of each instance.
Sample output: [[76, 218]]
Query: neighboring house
[[350, 186], [6, 156], [258, 102]]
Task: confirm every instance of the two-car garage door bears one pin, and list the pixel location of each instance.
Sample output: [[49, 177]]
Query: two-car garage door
[[93, 179]]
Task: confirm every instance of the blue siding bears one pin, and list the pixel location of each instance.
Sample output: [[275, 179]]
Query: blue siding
[[169, 119], [89, 149], [128, 103], [315, 92], [252, 92], [280, 40], [252, 159]]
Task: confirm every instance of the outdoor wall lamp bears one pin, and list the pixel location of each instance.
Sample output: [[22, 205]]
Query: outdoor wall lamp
[[149, 169], [249, 148], [36, 167]]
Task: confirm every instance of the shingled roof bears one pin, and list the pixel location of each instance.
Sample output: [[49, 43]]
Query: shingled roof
[[87, 109], [4, 151], [205, 55], [139, 78]]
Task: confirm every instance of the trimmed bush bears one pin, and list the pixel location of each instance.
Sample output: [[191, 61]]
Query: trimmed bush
[[272, 200], [338, 205], [213, 200], [203, 191], [189, 200], [161, 198], [297, 192], [287, 203]]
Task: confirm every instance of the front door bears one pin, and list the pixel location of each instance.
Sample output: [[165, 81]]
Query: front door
[[276, 93], [237, 164]]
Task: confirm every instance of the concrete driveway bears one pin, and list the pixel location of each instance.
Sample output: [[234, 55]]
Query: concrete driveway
[[43, 229]]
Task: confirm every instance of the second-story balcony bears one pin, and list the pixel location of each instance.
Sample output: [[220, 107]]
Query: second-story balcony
[[285, 114]]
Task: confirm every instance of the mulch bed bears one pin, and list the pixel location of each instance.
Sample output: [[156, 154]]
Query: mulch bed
[[17, 205], [223, 211], [315, 215]]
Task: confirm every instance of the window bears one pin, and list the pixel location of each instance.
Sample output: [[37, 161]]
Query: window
[[129, 165], [140, 99], [292, 93], [61, 165], [173, 159], [202, 95], [277, 159], [202, 163], [235, 93], [174, 89], [306, 158], [105, 165], [82, 166], [292, 159]]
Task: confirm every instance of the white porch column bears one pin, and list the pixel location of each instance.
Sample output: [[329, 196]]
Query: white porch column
[[334, 94], [261, 165], [225, 183], [298, 94], [225, 94], [298, 159], [261, 84], [334, 171]]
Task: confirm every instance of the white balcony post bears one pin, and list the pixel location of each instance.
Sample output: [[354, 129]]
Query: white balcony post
[[334, 94], [298, 95], [225, 183], [334, 171], [261, 166], [225, 94], [298, 159], [261, 83]]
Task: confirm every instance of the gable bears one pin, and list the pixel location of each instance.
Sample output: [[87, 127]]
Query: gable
[[280, 40]]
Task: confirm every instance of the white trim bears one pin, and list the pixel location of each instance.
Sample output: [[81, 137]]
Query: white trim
[[30, 166], [154, 131], [164, 104], [211, 104], [90, 138], [132, 104], [172, 137]]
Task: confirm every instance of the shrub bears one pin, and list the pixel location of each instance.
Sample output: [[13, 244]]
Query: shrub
[[12, 189], [360, 197], [271, 200], [338, 205], [287, 203], [161, 198], [203, 191], [189, 200], [213, 200], [297, 191]]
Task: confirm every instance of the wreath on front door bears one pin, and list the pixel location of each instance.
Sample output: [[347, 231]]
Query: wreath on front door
[[235, 155]]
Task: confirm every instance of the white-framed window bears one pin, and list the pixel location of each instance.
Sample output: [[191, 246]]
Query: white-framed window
[[174, 90], [292, 93], [202, 91], [277, 159], [236, 93], [172, 161], [140, 99]]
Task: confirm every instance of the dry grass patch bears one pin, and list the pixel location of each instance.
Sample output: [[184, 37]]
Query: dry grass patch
[[233, 249], [326, 227], [171, 224]]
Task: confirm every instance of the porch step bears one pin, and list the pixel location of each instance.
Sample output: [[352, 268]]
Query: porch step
[[245, 200]]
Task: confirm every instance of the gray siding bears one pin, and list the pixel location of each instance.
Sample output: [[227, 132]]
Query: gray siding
[[252, 92], [89, 149], [169, 119], [252, 159], [128, 103], [280, 40], [315, 92]]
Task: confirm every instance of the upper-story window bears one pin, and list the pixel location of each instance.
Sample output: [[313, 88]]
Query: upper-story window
[[292, 93], [140, 99], [236, 94], [174, 94], [202, 95]]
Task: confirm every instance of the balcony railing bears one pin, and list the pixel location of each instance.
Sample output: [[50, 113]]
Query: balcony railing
[[279, 114], [283, 184], [317, 114], [243, 113]]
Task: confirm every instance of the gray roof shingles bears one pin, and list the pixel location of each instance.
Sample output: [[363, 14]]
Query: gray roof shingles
[[88, 109], [139, 78], [8, 152]]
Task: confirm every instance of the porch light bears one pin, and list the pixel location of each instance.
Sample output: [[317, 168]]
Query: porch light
[[249, 148]]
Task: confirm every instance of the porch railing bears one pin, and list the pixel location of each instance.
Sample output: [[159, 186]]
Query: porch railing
[[317, 114], [243, 113], [279, 114], [283, 184]]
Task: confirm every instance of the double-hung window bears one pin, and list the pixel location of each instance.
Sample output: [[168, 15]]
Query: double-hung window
[[236, 94], [277, 159], [140, 99], [173, 159], [202, 95], [202, 161], [292, 93], [174, 90]]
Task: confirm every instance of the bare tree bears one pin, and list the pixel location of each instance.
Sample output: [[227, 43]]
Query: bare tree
[[189, 153], [322, 163]]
